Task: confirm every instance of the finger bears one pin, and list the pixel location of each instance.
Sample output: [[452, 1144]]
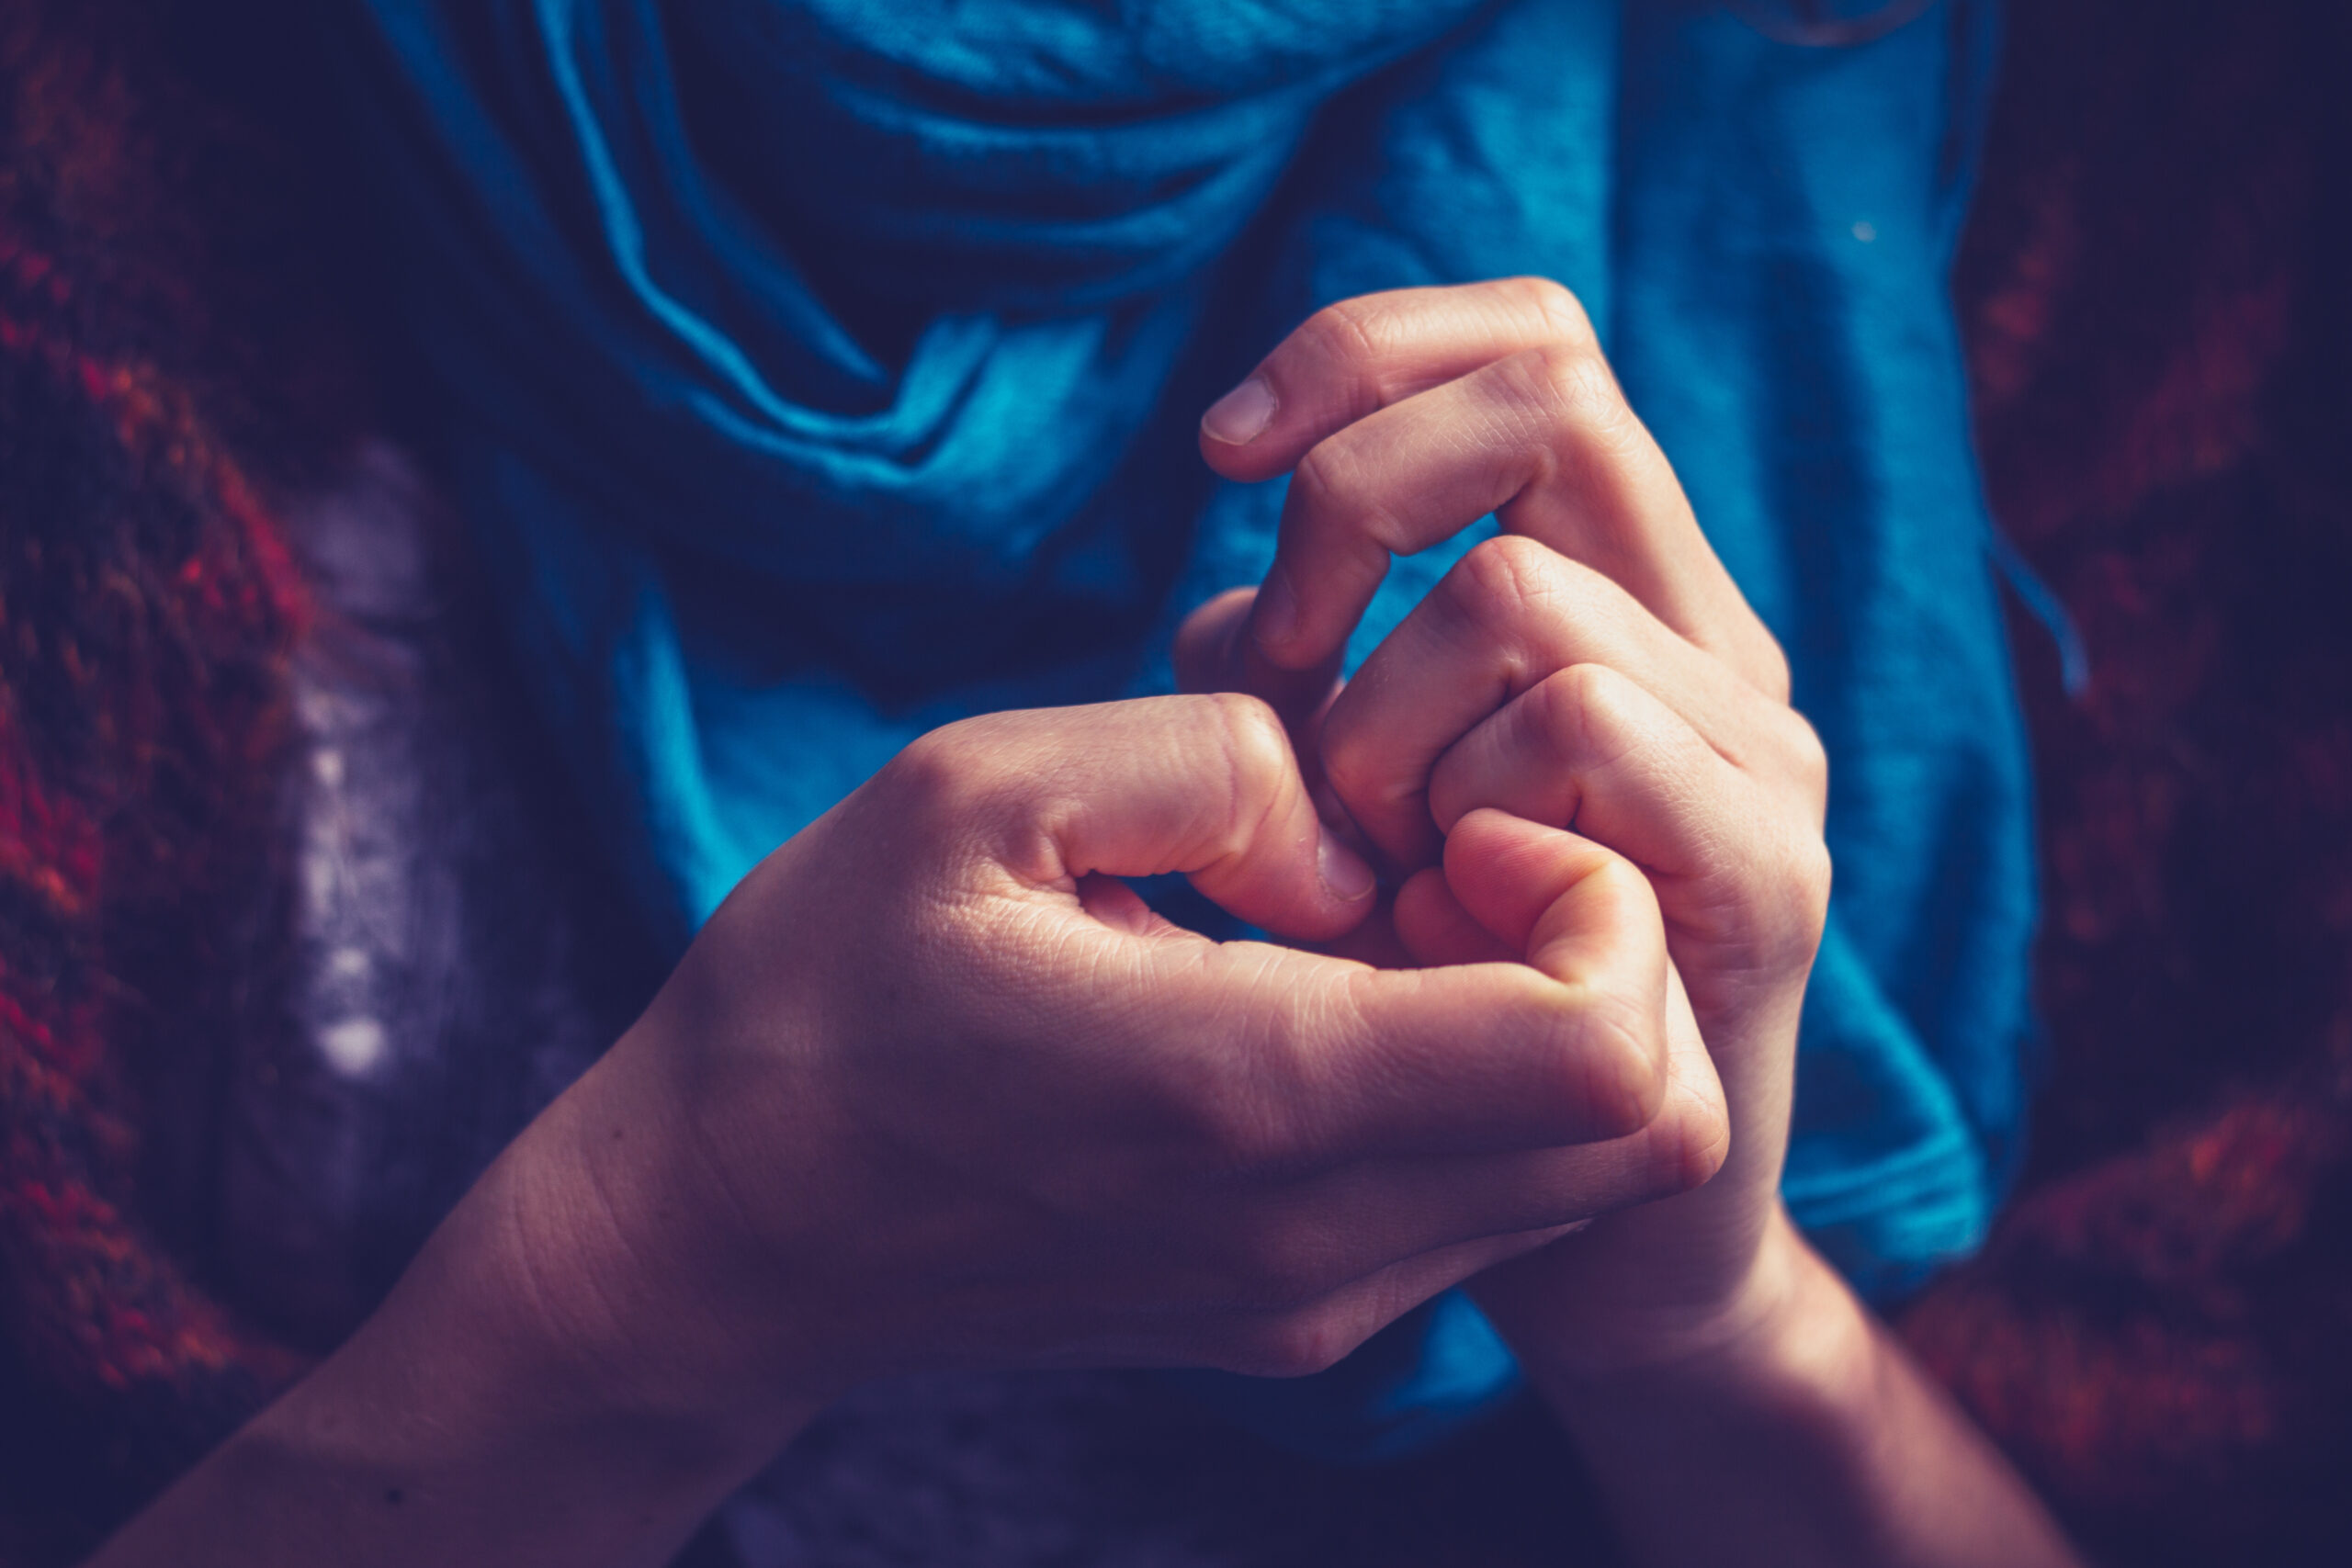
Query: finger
[[1214, 653], [1272, 1057], [1508, 614], [1589, 927], [1435, 929], [1579, 911], [1733, 870], [1367, 1243], [1120, 907], [1595, 959], [1206, 785], [1359, 356], [1590, 747], [1503, 869], [1347, 1223], [1337, 1062], [1559, 895], [1545, 441]]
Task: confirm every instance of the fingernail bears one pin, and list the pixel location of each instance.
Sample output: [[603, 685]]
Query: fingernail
[[1273, 619], [1343, 871], [1241, 414]]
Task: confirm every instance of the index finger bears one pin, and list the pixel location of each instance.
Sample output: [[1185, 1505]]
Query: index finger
[[1295, 1057], [1318, 1061], [1408, 416], [1359, 356]]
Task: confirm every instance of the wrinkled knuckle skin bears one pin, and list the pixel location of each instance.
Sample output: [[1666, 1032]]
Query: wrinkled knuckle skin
[[1693, 1140], [1352, 335], [943, 778], [1358, 761], [1325, 484], [1259, 763], [1581, 706], [1785, 895], [1793, 877], [1563, 316], [1579, 392], [1625, 1077], [1250, 734], [1492, 585]]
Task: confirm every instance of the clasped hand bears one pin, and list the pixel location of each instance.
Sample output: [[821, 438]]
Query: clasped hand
[[934, 1088]]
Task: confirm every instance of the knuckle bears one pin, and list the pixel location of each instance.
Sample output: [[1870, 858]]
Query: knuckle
[[980, 789], [1576, 409], [1622, 1054], [1358, 758], [1562, 315], [1579, 390], [941, 775], [1352, 761], [1330, 484], [1259, 763], [1768, 668], [1250, 734], [1785, 898], [1494, 584], [1580, 709], [1805, 878], [1315, 486], [1692, 1139], [1804, 758], [1353, 336], [1791, 881]]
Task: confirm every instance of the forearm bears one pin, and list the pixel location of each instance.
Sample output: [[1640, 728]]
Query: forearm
[[475, 1417], [1807, 1435]]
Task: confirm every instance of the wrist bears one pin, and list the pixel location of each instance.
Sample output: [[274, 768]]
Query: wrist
[[641, 1275], [1794, 1430], [583, 1322], [1785, 1317], [502, 1406]]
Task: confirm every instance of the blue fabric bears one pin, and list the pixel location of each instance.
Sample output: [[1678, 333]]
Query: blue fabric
[[824, 371]]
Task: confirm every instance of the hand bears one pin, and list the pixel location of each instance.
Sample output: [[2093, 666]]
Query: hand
[[934, 1088], [1595, 666]]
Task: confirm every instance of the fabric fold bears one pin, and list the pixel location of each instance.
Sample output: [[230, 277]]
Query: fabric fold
[[819, 371]]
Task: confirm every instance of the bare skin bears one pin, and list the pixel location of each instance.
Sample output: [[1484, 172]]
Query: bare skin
[[933, 1088], [1594, 680]]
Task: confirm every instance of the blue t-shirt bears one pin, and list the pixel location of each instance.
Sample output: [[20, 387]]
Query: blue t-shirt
[[820, 371]]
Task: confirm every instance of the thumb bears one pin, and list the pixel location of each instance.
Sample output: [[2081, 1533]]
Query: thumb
[[1208, 785]]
